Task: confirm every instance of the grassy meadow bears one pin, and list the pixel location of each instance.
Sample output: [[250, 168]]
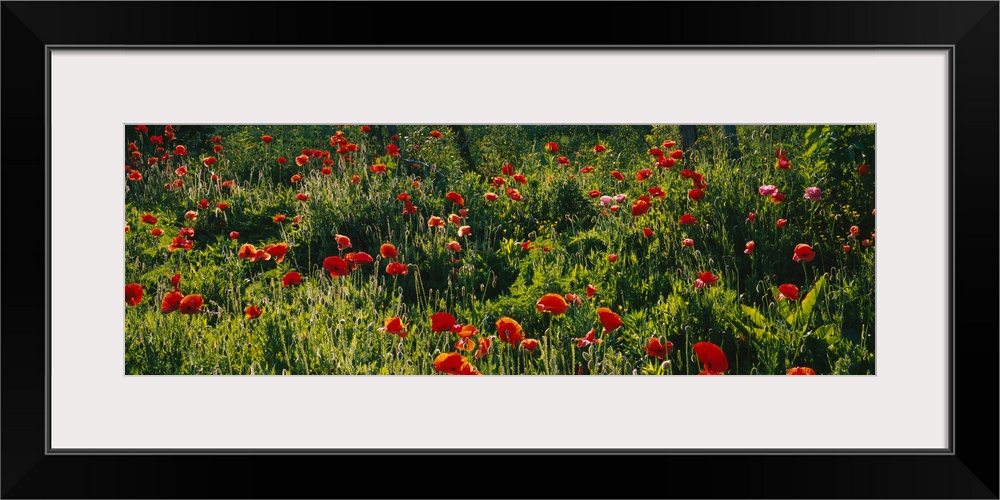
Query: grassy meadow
[[499, 249]]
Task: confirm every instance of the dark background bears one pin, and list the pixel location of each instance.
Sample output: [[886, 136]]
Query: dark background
[[972, 27]]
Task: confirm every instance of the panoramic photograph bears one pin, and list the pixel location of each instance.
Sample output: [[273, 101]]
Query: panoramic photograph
[[499, 249]]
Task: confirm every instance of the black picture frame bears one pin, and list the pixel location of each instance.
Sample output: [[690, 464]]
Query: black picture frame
[[969, 29]]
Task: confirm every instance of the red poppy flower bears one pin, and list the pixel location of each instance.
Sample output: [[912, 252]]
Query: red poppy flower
[[396, 268], [708, 278], [302, 197], [454, 246], [234, 235], [355, 179], [279, 218], [217, 148], [453, 363], [252, 312], [665, 162], [855, 230], [180, 242], [677, 154], [388, 251], [647, 232], [788, 291], [203, 204], [778, 198], [392, 149], [222, 206], [266, 138], [591, 290], [156, 139], [228, 184], [617, 175], [687, 219], [847, 248], [563, 160], [301, 160], [455, 197], [587, 169], [464, 230], [343, 242], [688, 242], [654, 348], [783, 163], [180, 150], [435, 221], [395, 326], [187, 232], [307, 152], [509, 331], [277, 250], [656, 191], [292, 278], [444, 322], [696, 194], [613, 257], [514, 194], [803, 253], [778, 153], [358, 258], [150, 161], [641, 206], [141, 129], [749, 247], [573, 298], [149, 219], [135, 175], [551, 147], [133, 294], [669, 143], [782, 222], [609, 320], [520, 178], [209, 161], [643, 174], [248, 251], [751, 217], [156, 232], [552, 303], [600, 148], [378, 168], [410, 208], [530, 344], [800, 370], [282, 160], [863, 169], [191, 215], [336, 266], [435, 134], [491, 197], [127, 228], [711, 357], [587, 340], [190, 304], [864, 243], [403, 197], [497, 182], [171, 302]]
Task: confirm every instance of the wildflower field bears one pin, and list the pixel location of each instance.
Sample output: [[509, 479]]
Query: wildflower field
[[499, 249]]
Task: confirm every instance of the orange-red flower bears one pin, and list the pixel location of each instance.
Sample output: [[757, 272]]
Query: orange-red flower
[[551, 147], [464, 230], [156, 232], [788, 291], [687, 219], [455, 219], [266, 138], [133, 294], [395, 326], [643, 174], [366, 128], [591, 290], [573, 298], [336, 266], [800, 370], [222, 206], [641, 206], [175, 280], [803, 253], [355, 179], [491, 197], [378, 168], [343, 242], [563, 160], [435, 134], [707, 278], [530, 344], [453, 363], [135, 175], [587, 340], [227, 184], [669, 143], [507, 169], [465, 343], [190, 304], [696, 194], [552, 303], [677, 154], [282, 160], [514, 194], [444, 322], [171, 302], [617, 175], [656, 349], [279, 218], [388, 251], [396, 268], [277, 250], [252, 312], [863, 169], [209, 161], [435, 221], [302, 197], [665, 162], [778, 197], [782, 222], [248, 251], [484, 347], [509, 331], [292, 278], [749, 247], [613, 257], [149, 219], [392, 149], [326, 171], [180, 242], [711, 357], [454, 246], [609, 320], [301, 160], [410, 208], [600, 148], [520, 178]]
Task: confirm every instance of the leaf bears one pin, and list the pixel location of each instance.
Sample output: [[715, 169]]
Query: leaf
[[754, 316], [810, 299]]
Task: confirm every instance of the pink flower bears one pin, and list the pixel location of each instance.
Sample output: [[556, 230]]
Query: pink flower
[[605, 200], [813, 194], [619, 198], [749, 250], [768, 190]]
